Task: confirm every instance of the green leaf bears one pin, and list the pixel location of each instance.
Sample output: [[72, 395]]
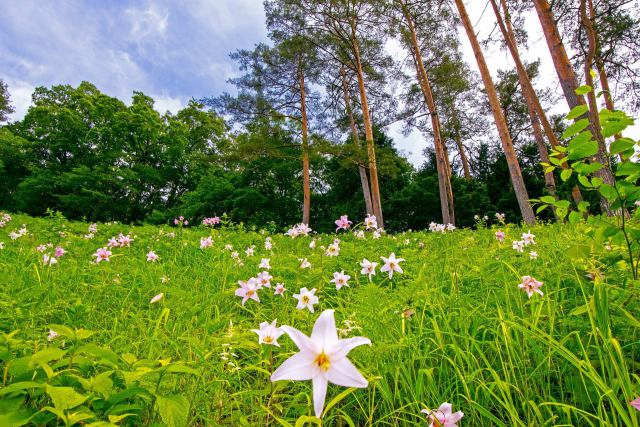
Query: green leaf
[[566, 174], [628, 169], [581, 147], [305, 419], [173, 409], [583, 206], [583, 90], [608, 192], [20, 386], [587, 168], [541, 208], [46, 355], [64, 398], [621, 145], [548, 199], [575, 217], [584, 181], [578, 111], [575, 128], [564, 204]]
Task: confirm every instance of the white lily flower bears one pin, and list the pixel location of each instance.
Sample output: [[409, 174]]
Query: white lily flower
[[268, 333], [322, 359]]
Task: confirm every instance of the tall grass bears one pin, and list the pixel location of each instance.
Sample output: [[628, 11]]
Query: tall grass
[[454, 327]]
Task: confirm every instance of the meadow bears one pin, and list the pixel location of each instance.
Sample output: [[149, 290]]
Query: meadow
[[158, 334]]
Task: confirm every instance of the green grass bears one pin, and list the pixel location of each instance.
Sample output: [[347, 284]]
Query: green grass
[[474, 339]]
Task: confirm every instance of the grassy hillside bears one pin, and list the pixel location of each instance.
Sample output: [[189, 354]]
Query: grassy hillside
[[453, 327]]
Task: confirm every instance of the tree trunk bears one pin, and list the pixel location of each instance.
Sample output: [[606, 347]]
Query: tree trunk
[[444, 182], [364, 180], [594, 118], [536, 112], [306, 186], [568, 79], [368, 130], [458, 139], [501, 123]]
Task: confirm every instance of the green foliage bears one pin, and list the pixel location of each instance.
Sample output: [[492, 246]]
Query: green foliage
[[622, 195]]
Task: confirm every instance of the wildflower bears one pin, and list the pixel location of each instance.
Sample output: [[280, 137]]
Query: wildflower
[[304, 263], [500, 236], [343, 223], [268, 244], [59, 252], [450, 227], [500, 217], [41, 248], [206, 242], [152, 257], [303, 229], [530, 286], [264, 263], [333, 249], [49, 260], [359, 234], [52, 335], [476, 217], [392, 264], [376, 234], [250, 250], [248, 290], [528, 238], [124, 240], [518, 245], [280, 289], [306, 299], [635, 403], [1, 245], [102, 254], [370, 222], [156, 298], [293, 232], [312, 244], [368, 268], [268, 333], [443, 417], [264, 279], [533, 255], [164, 279], [340, 279], [228, 247], [93, 228], [322, 358]]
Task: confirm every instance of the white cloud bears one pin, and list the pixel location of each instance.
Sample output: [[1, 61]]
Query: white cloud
[[166, 103], [20, 97], [149, 22]]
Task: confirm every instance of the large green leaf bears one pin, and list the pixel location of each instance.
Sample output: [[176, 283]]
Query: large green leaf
[[173, 409], [582, 146], [64, 398], [575, 128]]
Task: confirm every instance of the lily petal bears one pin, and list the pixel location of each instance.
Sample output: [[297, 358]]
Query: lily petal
[[319, 394], [303, 342], [324, 330], [343, 347], [298, 367], [343, 373]]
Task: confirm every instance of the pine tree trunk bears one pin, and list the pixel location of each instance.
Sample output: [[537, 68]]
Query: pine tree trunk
[[444, 182], [536, 112], [364, 180], [368, 130], [501, 123], [306, 185], [458, 140], [568, 79], [604, 173]]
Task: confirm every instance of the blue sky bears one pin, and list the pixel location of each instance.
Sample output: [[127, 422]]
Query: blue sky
[[170, 50]]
